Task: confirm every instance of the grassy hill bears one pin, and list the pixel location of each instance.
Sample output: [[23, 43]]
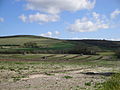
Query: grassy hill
[[9, 43], [98, 44], [44, 43], [21, 39]]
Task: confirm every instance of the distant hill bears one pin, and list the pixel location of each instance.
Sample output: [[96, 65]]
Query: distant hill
[[45, 43], [20, 40], [97, 44]]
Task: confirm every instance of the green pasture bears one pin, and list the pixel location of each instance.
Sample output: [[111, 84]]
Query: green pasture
[[41, 42], [108, 53]]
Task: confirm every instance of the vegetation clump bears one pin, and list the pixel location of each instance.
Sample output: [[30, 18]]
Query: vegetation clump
[[30, 45], [82, 50], [67, 77], [112, 84], [117, 53], [88, 84]]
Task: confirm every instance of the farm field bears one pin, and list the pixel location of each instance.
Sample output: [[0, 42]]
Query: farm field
[[56, 71]]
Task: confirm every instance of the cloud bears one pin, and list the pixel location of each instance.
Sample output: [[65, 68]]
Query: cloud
[[49, 10], [78, 38], [115, 39], [23, 18], [43, 18], [89, 25], [1, 19], [115, 13], [57, 6], [57, 33], [96, 15], [48, 34], [39, 18]]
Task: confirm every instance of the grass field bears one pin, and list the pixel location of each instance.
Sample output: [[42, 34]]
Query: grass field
[[44, 43], [14, 43]]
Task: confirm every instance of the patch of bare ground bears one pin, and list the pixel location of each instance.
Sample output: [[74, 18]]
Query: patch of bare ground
[[70, 79]]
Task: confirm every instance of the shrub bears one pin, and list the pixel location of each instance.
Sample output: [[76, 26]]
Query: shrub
[[117, 53], [85, 51], [67, 77], [88, 84]]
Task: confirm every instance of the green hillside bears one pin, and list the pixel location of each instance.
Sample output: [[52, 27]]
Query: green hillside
[[20, 40], [100, 45], [32, 43], [17, 43]]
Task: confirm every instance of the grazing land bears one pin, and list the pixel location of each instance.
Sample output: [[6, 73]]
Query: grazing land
[[39, 45], [39, 63]]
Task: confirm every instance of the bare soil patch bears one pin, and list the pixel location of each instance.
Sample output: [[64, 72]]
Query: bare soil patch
[[59, 80]]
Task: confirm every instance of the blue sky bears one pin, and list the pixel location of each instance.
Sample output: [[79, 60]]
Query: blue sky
[[68, 19]]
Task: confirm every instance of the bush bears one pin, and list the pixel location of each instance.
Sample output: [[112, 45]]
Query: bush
[[67, 77], [85, 51], [117, 53]]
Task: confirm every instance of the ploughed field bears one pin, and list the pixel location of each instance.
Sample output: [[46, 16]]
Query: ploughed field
[[56, 71]]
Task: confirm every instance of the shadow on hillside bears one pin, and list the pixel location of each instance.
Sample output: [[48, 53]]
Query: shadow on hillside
[[102, 73]]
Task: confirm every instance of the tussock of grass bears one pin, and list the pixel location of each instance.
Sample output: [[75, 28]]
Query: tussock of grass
[[17, 78], [112, 84], [67, 77], [88, 84]]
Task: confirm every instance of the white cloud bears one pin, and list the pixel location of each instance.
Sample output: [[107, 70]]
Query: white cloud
[[23, 17], [51, 34], [78, 38], [1, 19], [95, 15], [52, 9], [48, 34], [89, 25], [43, 18], [115, 39], [39, 18], [57, 33], [115, 13], [94, 22], [57, 6]]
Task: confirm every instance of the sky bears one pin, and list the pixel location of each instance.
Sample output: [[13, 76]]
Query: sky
[[63, 19]]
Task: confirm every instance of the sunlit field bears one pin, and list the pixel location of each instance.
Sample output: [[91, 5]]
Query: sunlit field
[[19, 68]]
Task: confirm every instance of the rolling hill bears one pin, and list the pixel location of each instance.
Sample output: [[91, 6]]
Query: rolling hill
[[12, 43], [98, 44]]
